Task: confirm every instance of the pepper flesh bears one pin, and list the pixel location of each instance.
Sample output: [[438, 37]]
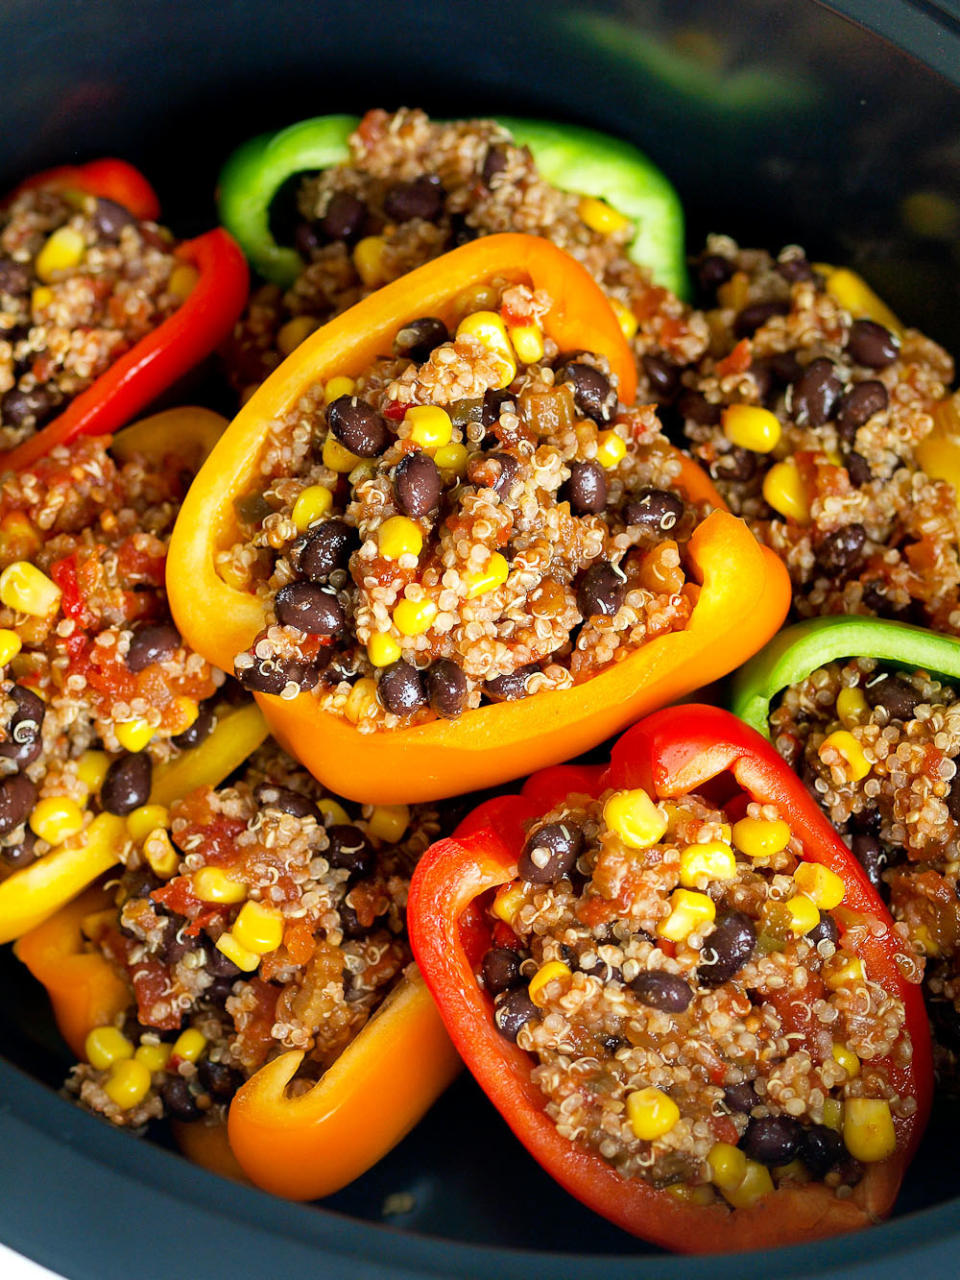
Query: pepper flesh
[[110, 178], [739, 580], [669, 754]]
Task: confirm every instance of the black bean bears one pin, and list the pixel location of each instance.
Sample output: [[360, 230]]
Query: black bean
[[599, 967], [176, 942], [15, 278], [272, 675], [840, 550], [763, 377], [19, 855], [27, 408], [493, 402], [152, 644], [795, 269], [895, 694], [140, 883], [512, 1011], [421, 198], [737, 465], [772, 1140], [550, 852], [25, 730], [418, 338], [824, 931], [654, 509], [816, 392], [868, 851], [663, 376], [494, 162], [713, 270], [858, 469], [310, 608], [342, 667], [306, 239], [872, 345], [741, 1097], [344, 217], [695, 407], [220, 966], [350, 922], [461, 232], [586, 490], [785, 367], [417, 484], [325, 549], [127, 784], [401, 688], [446, 688], [731, 944], [510, 686], [270, 796], [859, 405], [501, 969], [110, 218], [178, 1101], [953, 799], [18, 795], [592, 393], [358, 426], [820, 1149], [218, 1079], [600, 591], [199, 731], [750, 319], [664, 991], [509, 466], [350, 850]]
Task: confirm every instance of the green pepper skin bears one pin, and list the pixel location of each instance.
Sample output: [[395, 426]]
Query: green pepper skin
[[573, 159], [795, 652]]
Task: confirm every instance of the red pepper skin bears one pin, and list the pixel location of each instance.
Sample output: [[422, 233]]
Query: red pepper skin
[[670, 753], [189, 335], [110, 178]]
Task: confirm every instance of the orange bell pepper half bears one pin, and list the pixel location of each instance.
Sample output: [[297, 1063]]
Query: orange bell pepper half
[[743, 598]]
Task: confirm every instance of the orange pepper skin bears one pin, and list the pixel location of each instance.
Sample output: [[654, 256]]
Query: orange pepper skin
[[371, 1097], [208, 1146], [744, 595], [84, 988]]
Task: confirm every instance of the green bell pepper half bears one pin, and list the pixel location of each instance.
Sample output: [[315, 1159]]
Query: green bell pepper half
[[572, 158], [798, 650]]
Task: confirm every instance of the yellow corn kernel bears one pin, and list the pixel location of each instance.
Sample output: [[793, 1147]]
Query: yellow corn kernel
[[493, 575], [92, 769], [41, 297], [635, 818], [361, 698], [189, 1045], [857, 764], [128, 1083], [161, 855], [760, 837], [430, 426], [212, 884], [611, 449], [921, 935], [337, 458], [290, 335], [487, 328], [134, 735], [332, 810], [56, 818], [258, 927], [10, 645], [479, 297], [755, 1184], [106, 1045], [689, 912], [93, 924], [399, 536], [804, 915], [868, 1132], [370, 260], [728, 1165], [186, 711], [414, 617], [337, 387], [452, 457], [146, 819], [246, 960], [313, 503], [852, 706], [700, 1194], [847, 1059], [27, 589], [600, 216], [508, 900], [527, 342], [819, 883], [783, 489], [843, 970], [651, 1113], [750, 427], [628, 322], [547, 973], [382, 649], [701, 863], [154, 1056], [855, 295], [388, 822], [63, 250], [833, 1114], [183, 281]]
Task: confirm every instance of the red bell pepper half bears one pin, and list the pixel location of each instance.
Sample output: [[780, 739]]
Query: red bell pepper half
[[181, 342], [671, 753]]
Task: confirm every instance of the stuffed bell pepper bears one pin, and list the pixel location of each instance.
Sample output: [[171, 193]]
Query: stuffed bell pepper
[[868, 713], [441, 547], [681, 991], [100, 309], [396, 190]]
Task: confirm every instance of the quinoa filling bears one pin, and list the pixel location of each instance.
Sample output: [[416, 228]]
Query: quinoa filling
[[691, 1005]]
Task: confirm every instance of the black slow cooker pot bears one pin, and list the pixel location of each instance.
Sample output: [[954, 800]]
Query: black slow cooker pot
[[780, 123]]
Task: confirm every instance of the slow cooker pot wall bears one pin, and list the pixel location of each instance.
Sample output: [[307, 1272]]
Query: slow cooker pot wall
[[778, 122]]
